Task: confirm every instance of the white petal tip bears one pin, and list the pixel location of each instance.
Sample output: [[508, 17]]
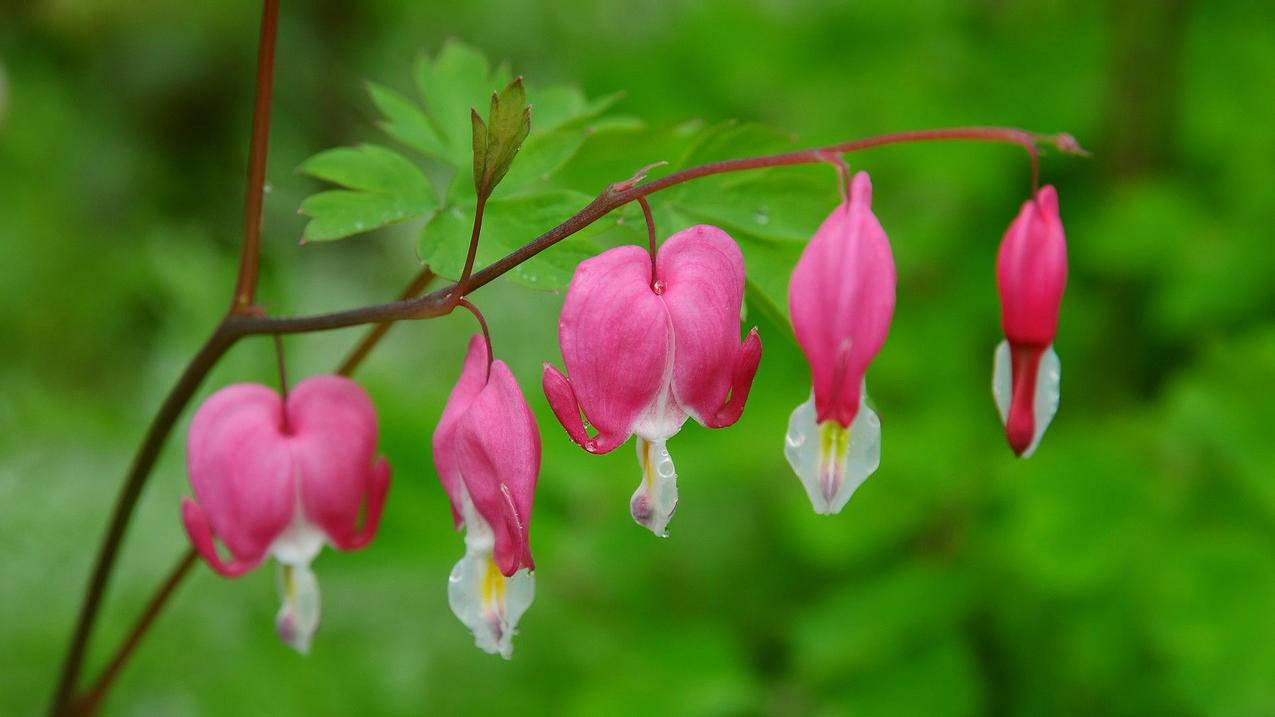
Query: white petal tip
[[298, 617], [655, 500], [486, 601], [832, 461], [1046, 392]]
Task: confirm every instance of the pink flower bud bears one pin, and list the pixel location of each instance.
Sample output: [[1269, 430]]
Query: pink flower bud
[[1031, 273], [487, 453], [642, 356], [841, 299], [283, 480]]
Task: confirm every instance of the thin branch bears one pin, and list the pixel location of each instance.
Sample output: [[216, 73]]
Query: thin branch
[[442, 301], [222, 338], [89, 702], [147, 454], [254, 196]]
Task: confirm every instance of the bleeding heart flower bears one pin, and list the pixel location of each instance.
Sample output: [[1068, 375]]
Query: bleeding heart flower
[[284, 479], [841, 298], [1031, 273], [487, 453], [646, 347]]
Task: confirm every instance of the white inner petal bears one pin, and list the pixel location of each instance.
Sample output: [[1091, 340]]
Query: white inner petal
[[832, 461], [655, 499], [298, 616], [1002, 380], [294, 549], [1048, 390], [486, 601]]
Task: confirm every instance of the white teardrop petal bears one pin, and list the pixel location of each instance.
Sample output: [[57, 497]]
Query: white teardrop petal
[[655, 499], [1048, 392], [298, 616], [832, 461], [1002, 380], [486, 601]]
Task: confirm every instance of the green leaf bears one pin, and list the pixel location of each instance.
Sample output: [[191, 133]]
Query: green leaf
[[508, 223], [381, 188], [405, 122], [458, 79]]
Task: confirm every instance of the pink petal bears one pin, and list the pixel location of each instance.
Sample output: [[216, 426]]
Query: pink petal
[[333, 439], [1031, 271], [741, 382], [498, 454], [614, 333], [241, 469], [201, 537], [473, 377], [841, 298], [702, 273]]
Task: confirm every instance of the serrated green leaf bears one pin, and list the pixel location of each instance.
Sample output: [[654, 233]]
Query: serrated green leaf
[[508, 223], [732, 139], [368, 167], [785, 204], [458, 79], [561, 106], [405, 122], [340, 213], [382, 188]]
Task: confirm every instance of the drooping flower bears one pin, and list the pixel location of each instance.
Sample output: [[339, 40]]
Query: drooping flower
[[283, 479], [1031, 273], [487, 453], [841, 298], [645, 347]]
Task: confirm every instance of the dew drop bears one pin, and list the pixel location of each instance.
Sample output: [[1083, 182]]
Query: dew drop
[[762, 217]]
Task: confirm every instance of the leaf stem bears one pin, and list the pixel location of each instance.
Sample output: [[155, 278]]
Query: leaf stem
[[462, 285]]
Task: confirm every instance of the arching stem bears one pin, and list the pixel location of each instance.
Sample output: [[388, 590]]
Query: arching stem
[[650, 239], [482, 323]]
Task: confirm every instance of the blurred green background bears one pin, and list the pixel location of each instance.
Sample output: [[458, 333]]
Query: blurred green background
[[1127, 569]]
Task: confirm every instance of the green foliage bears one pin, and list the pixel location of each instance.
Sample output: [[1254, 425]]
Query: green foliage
[[384, 187]]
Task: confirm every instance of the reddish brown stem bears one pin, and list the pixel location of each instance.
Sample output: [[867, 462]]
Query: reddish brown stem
[[462, 285], [222, 338], [254, 197], [650, 236], [147, 454], [443, 300], [482, 323], [88, 703], [282, 366]]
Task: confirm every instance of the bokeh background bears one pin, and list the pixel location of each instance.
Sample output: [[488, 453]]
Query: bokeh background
[[1127, 569]]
